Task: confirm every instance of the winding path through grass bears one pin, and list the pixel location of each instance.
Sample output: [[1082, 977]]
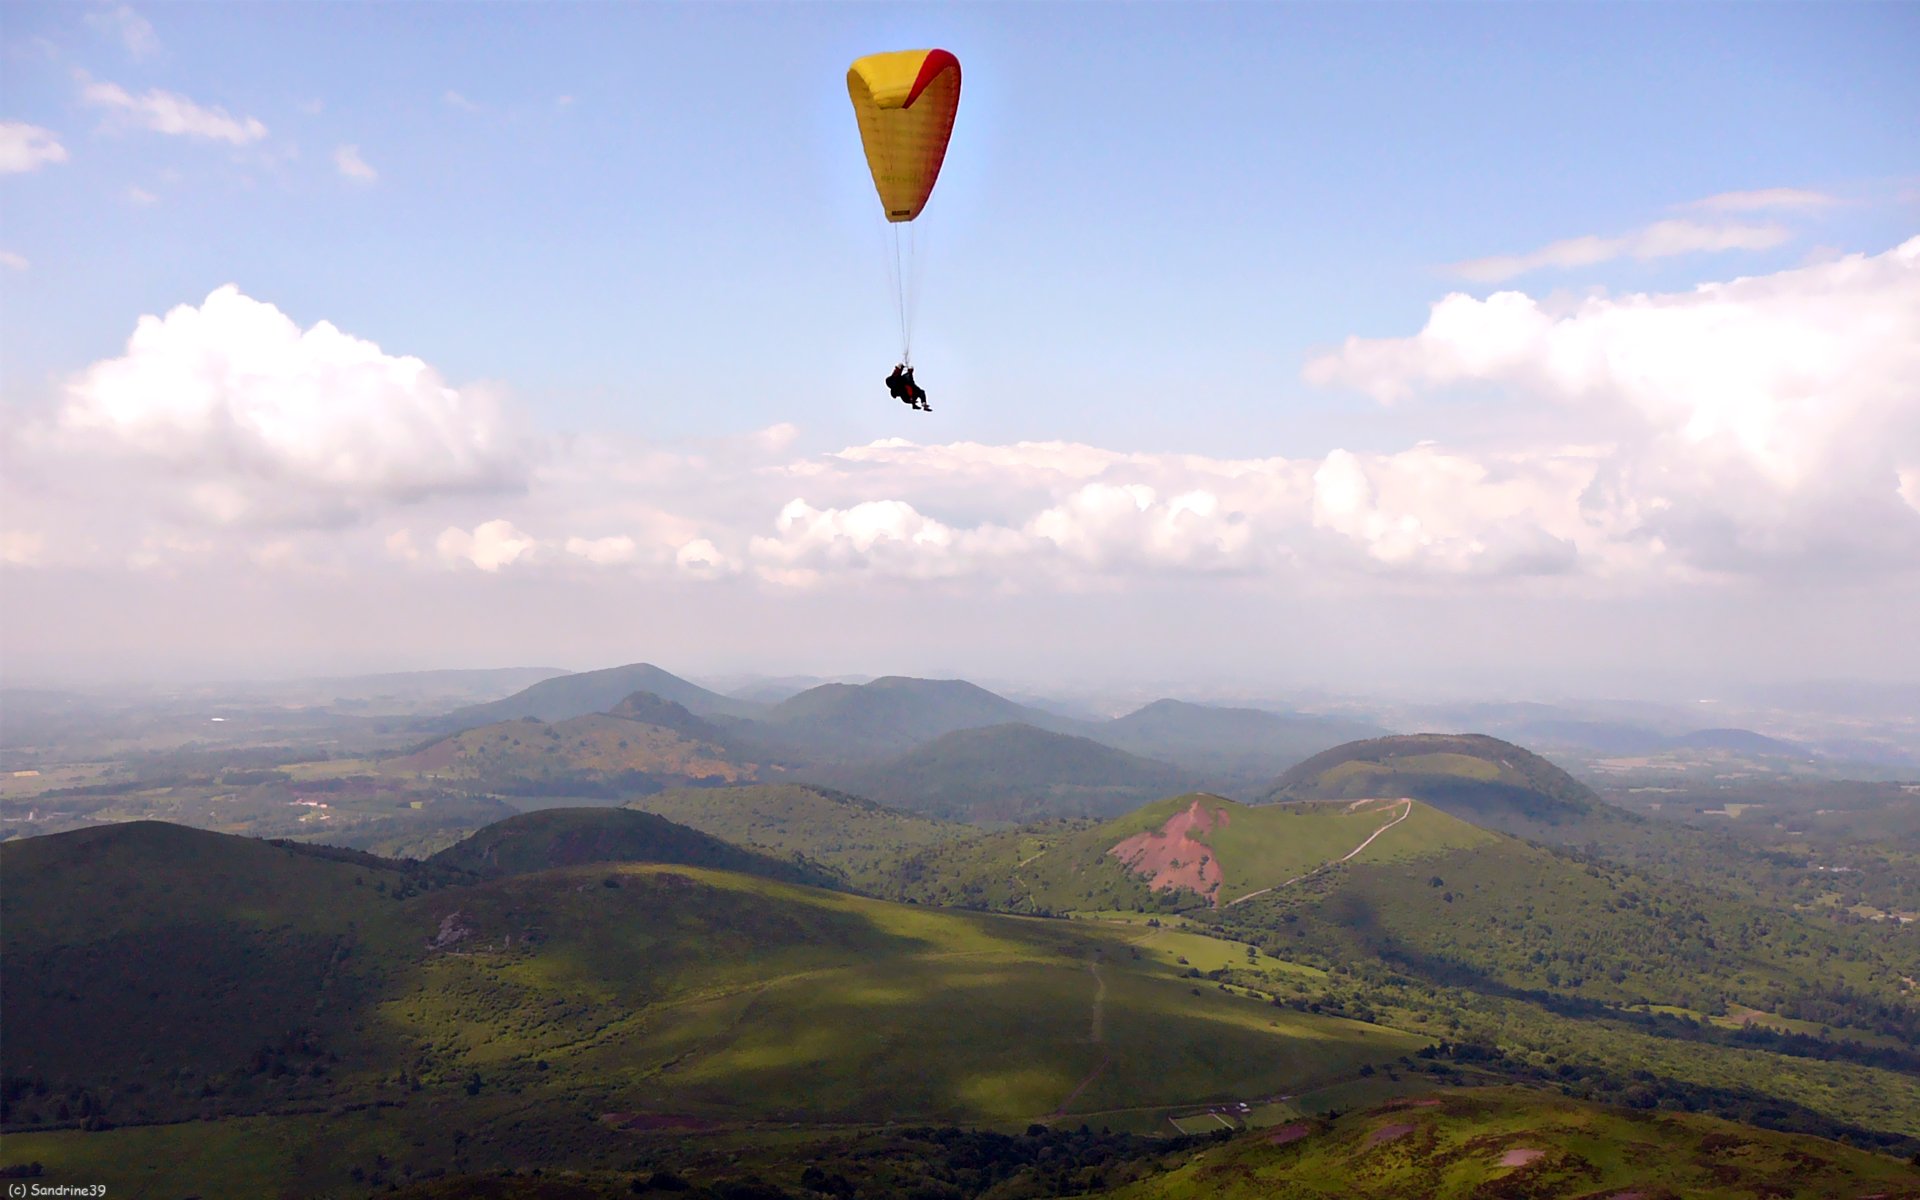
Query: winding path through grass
[[1405, 812], [1096, 1033]]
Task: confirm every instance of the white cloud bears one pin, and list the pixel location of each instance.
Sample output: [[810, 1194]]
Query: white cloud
[[12, 261], [1107, 526], [605, 551], [490, 546], [701, 559], [399, 545], [171, 113], [456, 100], [1764, 199], [1909, 487], [1662, 239], [350, 164], [19, 548], [775, 438], [252, 417], [888, 536], [1752, 423], [134, 31], [1430, 511], [141, 196], [1762, 426], [25, 147]]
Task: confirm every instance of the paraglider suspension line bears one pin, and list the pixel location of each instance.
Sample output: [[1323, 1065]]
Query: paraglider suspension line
[[900, 269]]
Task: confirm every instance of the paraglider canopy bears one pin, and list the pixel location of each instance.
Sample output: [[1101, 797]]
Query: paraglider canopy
[[905, 102]]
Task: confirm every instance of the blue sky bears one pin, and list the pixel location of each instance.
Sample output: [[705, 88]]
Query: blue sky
[[1141, 202], [653, 223]]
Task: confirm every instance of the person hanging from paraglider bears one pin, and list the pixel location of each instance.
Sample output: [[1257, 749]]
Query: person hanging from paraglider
[[904, 102], [901, 387]]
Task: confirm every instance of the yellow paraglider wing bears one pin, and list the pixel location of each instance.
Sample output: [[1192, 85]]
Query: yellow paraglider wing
[[905, 103]]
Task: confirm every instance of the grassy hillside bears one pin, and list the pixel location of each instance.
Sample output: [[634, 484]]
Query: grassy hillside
[[593, 692], [1630, 988], [595, 754], [1518, 916], [1494, 784], [532, 1018], [1193, 850], [1513, 1143], [1013, 772], [569, 837], [182, 960], [843, 832]]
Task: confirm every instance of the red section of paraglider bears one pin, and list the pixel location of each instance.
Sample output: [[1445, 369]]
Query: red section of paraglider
[[937, 61]]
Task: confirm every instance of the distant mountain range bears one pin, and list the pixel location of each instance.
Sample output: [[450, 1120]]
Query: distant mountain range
[[837, 725]]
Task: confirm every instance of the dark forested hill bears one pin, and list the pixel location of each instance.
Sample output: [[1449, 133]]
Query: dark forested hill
[[1013, 772], [593, 692]]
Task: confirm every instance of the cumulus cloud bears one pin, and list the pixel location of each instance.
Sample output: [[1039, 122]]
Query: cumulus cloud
[[1762, 426], [605, 551], [490, 546], [12, 261], [1662, 239], [132, 30], [171, 113], [885, 536], [1759, 421], [454, 99], [347, 159], [141, 196], [257, 418], [701, 559], [1429, 511], [25, 147], [1764, 199], [19, 548], [1106, 526]]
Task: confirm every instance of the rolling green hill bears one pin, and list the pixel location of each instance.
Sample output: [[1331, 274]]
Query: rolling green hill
[[842, 832], [1494, 784], [570, 837], [1189, 851], [1513, 1143], [593, 692], [538, 1018], [141, 950], [596, 754], [1012, 772]]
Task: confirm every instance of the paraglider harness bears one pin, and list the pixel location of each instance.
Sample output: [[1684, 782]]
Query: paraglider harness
[[900, 386]]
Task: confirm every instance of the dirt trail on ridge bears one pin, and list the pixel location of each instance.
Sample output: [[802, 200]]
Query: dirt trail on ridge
[[1405, 812]]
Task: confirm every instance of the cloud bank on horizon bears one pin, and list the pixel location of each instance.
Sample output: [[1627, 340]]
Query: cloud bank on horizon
[[1741, 430]]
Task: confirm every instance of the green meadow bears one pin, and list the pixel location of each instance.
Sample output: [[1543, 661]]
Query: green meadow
[[1460, 1145]]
